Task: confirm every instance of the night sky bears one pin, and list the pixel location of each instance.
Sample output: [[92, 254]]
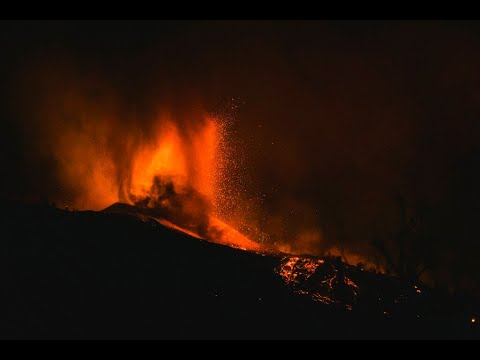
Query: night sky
[[337, 121]]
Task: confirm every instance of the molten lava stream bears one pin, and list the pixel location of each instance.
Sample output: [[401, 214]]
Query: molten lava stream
[[227, 235], [219, 232]]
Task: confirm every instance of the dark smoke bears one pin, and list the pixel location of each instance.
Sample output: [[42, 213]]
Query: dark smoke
[[184, 207]]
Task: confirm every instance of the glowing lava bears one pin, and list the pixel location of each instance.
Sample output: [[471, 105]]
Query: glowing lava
[[229, 236], [322, 280], [220, 232], [180, 178]]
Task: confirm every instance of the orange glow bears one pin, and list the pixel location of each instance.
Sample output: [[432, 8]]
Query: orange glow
[[169, 164], [221, 233], [295, 267], [229, 236], [180, 172], [176, 227], [318, 279], [177, 165], [206, 163], [163, 154], [354, 259], [175, 162], [165, 157], [189, 160]]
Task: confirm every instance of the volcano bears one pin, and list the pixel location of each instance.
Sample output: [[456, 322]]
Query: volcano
[[218, 230], [121, 273]]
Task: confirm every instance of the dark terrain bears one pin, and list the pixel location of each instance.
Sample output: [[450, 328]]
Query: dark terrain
[[86, 274]]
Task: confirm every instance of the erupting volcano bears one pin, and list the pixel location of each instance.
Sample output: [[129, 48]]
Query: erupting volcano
[[293, 180], [180, 176], [182, 179]]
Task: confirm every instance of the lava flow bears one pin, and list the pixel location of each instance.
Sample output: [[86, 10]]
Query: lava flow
[[323, 280]]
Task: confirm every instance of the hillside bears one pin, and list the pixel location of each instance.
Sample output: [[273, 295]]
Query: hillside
[[109, 274]]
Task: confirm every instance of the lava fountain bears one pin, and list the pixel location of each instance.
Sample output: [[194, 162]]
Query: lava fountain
[[171, 160], [179, 179]]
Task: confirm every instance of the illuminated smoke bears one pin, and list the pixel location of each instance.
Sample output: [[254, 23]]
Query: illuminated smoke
[[172, 161]]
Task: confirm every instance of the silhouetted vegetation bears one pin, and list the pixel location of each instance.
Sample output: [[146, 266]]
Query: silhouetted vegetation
[[405, 252]]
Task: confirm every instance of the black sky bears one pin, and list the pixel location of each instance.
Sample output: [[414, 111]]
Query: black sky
[[340, 118]]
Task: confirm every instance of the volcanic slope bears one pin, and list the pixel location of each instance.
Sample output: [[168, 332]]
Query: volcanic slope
[[122, 274]]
